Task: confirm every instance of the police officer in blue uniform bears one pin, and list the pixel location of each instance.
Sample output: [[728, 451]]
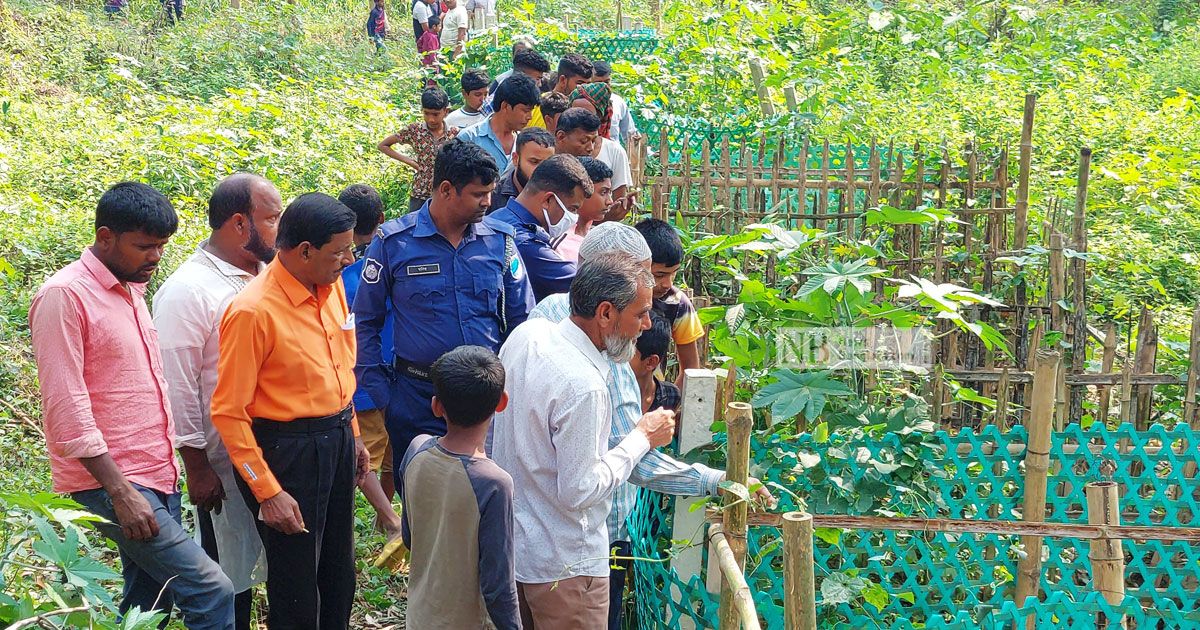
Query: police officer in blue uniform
[[453, 278], [547, 209]]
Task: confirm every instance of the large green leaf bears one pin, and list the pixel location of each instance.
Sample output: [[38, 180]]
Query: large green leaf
[[841, 588], [831, 277], [796, 392]]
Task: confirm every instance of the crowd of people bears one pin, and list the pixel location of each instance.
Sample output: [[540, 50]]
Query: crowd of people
[[492, 356]]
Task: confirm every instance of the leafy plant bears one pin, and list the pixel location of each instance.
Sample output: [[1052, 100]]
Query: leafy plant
[[53, 578]]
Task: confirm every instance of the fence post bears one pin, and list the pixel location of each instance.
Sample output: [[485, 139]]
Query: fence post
[[1107, 555], [739, 420], [696, 417], [764, 95], [799, 585], [1037, 463]]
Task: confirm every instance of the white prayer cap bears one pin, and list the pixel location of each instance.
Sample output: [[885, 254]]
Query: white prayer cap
[[614, 236]]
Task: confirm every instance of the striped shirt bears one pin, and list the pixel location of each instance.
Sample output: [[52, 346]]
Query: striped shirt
[[656, 471]]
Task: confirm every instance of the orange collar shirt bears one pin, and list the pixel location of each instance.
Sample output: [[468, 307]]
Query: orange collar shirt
[[284, 354]]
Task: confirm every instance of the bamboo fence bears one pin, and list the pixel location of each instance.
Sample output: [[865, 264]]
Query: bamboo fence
[[720, 186]]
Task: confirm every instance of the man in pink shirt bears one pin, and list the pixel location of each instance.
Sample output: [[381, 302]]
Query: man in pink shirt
[[106, 414]]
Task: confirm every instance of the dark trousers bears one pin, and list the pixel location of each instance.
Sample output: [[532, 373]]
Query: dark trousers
[[415, 203], [242, 602], [174, 9], [618, 575], [310, 576], [408, 415]]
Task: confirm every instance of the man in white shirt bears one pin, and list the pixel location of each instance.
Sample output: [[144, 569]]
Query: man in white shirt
[[421, 12], [553, 440], [454, 28], [243, 212]]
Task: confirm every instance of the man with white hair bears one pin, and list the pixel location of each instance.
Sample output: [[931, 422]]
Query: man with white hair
[[551, 440], [655, 470]]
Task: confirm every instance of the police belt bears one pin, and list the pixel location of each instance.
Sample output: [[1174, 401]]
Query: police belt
[[412, 370], [306, 425]]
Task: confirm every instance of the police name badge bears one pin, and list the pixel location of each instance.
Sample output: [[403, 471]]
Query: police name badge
[[372, 270], [424, 270]]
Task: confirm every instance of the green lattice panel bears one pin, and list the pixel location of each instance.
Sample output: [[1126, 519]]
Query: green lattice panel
[[1091, 612], [607, 46], [965, 577]]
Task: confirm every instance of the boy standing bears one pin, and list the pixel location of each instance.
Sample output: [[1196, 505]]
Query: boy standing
[[426, 139], [666, 252], [377, 26], [430, 42], [651, 352], [474, 85], [458, 516]]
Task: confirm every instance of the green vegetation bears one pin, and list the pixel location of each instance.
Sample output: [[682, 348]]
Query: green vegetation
[[294, 91]]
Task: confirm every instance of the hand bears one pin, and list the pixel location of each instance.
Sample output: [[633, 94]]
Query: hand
[[134, 515], [762, 495], [659, 427], [204, 486], [282, 513], [363, 465]]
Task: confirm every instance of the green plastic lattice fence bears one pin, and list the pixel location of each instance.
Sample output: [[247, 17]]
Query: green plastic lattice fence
[[962, 579]]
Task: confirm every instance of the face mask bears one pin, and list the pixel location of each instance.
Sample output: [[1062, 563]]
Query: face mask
[[564, 225]]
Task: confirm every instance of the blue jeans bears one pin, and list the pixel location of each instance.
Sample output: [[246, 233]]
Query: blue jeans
[[194, 583]]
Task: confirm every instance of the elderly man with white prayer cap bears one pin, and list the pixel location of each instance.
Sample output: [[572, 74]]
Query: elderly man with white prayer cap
[[655, 470]]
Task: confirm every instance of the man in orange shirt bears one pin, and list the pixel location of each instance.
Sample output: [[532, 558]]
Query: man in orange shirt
[[285, 378]]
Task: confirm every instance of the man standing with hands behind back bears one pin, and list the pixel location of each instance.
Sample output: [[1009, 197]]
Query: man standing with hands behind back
[[282, 407], [243, 213]]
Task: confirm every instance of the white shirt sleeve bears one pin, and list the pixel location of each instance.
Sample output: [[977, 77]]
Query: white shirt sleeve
[[619, 163], [184, 321], [625, 125], [582, 480]]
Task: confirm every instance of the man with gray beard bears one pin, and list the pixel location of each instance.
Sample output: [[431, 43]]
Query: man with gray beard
[[553, 440]]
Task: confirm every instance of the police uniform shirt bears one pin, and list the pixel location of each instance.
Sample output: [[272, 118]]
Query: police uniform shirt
[[442, 297], [549, 272]]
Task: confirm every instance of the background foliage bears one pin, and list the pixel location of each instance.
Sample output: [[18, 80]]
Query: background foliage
[[293, 90]]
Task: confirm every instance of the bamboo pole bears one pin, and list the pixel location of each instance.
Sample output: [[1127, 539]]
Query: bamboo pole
[[1079, 531], [1079, 335], [738, 422], [799, 585], [1106, 555], [1126, 393], [1106, 365], [740, 610], [1143, 363], [661, 191], [1193, 374], [1021, 218], [1037, 463]]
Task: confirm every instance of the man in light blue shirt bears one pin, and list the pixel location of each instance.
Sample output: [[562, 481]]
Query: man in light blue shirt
[[497, 134], [655, 470]]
